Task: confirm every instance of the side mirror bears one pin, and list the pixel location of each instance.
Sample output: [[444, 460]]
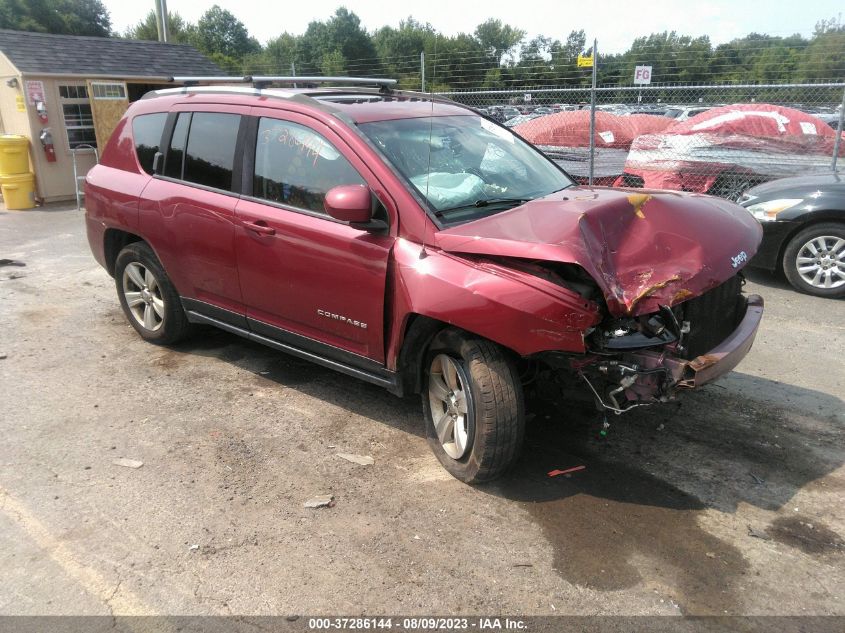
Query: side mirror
[[349, 203], [353, 204]]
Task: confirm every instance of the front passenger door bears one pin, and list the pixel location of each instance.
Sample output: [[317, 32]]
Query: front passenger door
[[302, 272]]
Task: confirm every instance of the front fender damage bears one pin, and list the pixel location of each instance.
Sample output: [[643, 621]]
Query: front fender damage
[[514, 308]]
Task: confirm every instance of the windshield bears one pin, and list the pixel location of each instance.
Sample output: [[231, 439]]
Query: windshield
[[474, 168]]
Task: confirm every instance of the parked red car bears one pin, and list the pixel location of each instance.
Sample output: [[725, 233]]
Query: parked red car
[[565, 138], [727, 150], [418, 246]]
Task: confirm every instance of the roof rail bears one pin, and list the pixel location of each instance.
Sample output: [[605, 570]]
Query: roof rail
[[260, 81], [219, 80]]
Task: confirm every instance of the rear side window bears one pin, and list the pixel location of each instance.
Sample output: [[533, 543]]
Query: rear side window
[[147, 130], [296, 166], [210, 154]]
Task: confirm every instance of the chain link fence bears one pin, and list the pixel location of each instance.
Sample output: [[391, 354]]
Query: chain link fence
[[715, 139]]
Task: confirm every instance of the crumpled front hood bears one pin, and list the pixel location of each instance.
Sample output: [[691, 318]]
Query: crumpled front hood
[[643, 248]]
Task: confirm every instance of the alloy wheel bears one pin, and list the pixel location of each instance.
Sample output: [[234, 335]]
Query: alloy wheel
[[143, 296], [821, 262], [451, 405]]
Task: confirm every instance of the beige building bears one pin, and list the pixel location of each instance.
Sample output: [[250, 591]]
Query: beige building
[[77, 88]]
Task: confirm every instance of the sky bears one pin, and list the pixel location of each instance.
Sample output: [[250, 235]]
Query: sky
[[615, 23]]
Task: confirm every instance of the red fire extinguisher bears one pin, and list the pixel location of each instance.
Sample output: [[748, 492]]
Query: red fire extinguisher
[[47, 143]]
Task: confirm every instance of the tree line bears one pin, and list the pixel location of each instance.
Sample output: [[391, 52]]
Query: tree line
[[495, 56]]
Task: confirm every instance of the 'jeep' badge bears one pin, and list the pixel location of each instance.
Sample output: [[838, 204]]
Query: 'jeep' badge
[[741, 258]]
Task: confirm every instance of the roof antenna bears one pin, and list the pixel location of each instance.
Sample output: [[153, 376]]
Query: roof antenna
[[423, 253]]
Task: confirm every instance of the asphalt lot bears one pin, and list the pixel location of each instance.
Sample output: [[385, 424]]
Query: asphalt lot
[[731, 502]]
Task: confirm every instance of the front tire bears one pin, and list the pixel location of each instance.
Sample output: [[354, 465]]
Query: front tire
[[147, 296], [473, 405], [814, 260]]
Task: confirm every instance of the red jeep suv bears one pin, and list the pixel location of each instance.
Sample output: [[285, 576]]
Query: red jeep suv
[[409, 242]]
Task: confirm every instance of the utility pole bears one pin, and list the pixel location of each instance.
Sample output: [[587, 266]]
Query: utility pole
[[159, 24], [593, 110], [422, 71], [161, 20], [165, 37]]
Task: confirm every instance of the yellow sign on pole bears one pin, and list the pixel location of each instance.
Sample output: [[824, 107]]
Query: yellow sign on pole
[[585, 62], [20, 104]]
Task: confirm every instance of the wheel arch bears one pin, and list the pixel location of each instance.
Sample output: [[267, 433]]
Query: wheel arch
[[418, 333], [114, 241]]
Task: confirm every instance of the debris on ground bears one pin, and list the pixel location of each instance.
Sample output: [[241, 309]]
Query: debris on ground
[[194, 547], [11, 262], [362, 460], [523, 564], [761, 534], [555, 473], [758, 480], [605, 425], [710, 555], [3, 356], [127, 463], [320, 501]]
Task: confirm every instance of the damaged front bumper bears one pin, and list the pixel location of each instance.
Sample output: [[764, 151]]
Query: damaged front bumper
[[714, 364], [638, 377]]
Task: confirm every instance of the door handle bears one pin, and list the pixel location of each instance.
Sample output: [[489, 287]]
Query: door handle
[[259, 226]]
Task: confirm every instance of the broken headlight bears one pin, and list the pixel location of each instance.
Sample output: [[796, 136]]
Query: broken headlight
[[649, 330]]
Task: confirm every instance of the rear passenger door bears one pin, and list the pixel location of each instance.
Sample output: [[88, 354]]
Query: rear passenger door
[[188, 210], [307, 279]]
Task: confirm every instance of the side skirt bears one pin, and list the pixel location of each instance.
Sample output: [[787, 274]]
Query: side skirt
[[294, 344]]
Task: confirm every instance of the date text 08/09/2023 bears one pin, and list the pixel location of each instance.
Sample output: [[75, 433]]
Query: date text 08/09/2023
[[417, 624]]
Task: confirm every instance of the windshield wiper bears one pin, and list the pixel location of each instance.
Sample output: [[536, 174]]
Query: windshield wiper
[[485, 202]]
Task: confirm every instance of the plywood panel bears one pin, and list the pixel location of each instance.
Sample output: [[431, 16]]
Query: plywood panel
[[107, 114]]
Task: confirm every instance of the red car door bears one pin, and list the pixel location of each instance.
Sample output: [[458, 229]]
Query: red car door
[[306, 278], [188, 211]]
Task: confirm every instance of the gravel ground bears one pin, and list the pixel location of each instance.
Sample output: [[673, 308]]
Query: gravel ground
[[731, 502]]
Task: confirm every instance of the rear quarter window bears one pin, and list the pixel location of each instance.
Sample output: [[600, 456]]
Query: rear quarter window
[[147, 130], [210, 155]]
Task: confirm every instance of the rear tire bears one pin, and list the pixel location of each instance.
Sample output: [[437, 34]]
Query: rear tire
[[147, 296], [816, 256], [473, 405]]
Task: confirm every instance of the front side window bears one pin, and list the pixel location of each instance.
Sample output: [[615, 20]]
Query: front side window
[[147, 130], [295, 166], [465, 166], [76, 111], [210, 153]]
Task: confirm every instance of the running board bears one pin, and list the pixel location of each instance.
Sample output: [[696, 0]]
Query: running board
[[384, 378]]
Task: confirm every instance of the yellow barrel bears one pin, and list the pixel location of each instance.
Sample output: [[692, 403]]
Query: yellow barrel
[[14, 154], [18, 191]]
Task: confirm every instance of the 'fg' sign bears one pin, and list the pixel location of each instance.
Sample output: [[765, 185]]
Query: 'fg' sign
[[642, 75]]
